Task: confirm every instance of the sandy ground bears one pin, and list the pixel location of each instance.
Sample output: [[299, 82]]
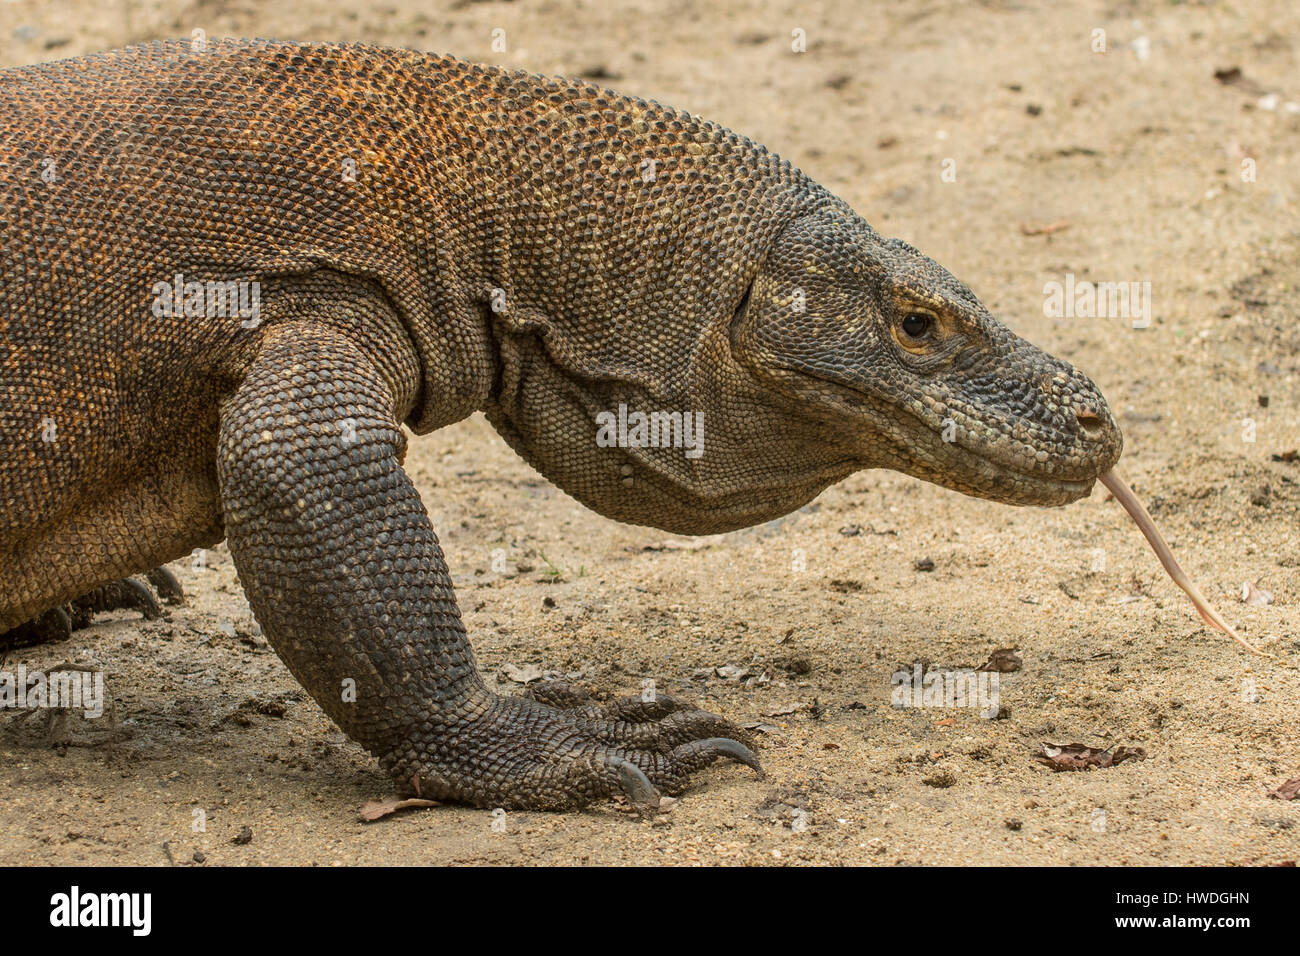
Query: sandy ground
[[1141, 151]]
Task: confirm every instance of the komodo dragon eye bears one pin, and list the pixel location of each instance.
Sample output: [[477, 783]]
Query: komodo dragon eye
[[915, 332], [916, 325]]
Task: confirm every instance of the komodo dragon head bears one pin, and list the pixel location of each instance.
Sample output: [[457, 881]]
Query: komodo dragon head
[[839, 350], [867, 337]]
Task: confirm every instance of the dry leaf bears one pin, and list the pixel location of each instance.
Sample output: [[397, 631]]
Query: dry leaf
[[1288, 791], [375, 809], [1083, 757], [1046, 230], [521, 675]]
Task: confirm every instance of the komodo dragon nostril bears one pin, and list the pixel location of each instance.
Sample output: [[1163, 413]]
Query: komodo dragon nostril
[[1089, 421]]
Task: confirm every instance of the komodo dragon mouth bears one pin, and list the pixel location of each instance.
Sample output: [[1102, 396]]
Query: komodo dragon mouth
[[980, 465]]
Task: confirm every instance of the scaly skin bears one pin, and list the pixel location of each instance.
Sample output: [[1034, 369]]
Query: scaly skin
[[432, 238]]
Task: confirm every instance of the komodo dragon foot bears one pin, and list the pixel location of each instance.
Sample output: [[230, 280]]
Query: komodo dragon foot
[[554, 748], [58, 623]]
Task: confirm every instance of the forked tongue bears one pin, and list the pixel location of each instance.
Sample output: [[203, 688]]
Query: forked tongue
[[1124, 495]]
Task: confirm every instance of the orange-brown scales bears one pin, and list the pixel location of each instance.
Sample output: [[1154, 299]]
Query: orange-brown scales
[[230, 274]]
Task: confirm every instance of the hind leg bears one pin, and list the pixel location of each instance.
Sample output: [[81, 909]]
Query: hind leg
[[58, 623], [129, 594], [54, 625]]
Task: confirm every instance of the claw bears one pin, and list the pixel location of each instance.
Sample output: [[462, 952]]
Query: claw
[[636, 785], [165, 583], [141, 598], [54, 625], [127, 593], [721, 746]]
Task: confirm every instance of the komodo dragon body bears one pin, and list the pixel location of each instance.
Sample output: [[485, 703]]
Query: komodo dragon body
[[410, 238]]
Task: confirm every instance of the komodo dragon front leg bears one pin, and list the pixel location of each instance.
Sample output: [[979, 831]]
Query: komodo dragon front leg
[[343, 570]]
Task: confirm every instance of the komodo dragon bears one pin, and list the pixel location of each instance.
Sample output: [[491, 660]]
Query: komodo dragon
[[420, 238]]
